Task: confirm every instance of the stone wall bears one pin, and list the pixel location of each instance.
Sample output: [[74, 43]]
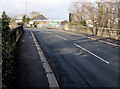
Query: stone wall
[[103, 32]]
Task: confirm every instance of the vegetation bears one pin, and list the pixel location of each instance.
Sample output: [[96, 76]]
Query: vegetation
[[25, 19], [101, 14], [0, 52], [7, 68]]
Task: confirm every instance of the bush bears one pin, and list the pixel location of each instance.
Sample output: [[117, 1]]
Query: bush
[[7, 67]]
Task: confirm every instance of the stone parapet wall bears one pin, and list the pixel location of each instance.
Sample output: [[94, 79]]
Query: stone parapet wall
[[103, 32]]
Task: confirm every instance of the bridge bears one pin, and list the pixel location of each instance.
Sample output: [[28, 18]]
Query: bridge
[[50, 58]]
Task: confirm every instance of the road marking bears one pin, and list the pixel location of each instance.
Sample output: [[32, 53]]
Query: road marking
[[92, 53], [112, 44], [61, 37], [109, 43], [49, 73], [48, 32], [79, 53]]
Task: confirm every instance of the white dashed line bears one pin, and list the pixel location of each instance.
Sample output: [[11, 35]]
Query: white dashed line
[[61, 37], [49, 73], [92, 53]]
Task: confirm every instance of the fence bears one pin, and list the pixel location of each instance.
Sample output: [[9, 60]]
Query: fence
[[103, 32]]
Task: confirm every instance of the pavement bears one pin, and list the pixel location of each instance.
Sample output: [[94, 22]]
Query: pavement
[[29, 72], [79, 61], [76, 61]]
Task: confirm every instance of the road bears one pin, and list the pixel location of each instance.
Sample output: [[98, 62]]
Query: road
[[78, 61]]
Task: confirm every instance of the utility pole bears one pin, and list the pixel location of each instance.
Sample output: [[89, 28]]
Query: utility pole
[[50, 17], [119, 15], [26, 7]]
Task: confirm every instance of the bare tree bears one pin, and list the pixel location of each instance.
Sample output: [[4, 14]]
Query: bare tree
[[119, 15], [78, 11], [102, 14], [34, 13]]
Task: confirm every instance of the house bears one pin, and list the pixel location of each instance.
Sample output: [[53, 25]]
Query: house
[[42, 22], [18, 19], [64, 22], [54, 23], [38, 19]]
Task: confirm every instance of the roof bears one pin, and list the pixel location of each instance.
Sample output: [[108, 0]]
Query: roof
[[39, 17], [50, 20], [19, 17]]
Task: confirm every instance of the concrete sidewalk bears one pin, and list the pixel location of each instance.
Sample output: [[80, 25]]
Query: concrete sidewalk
[[29, 71]]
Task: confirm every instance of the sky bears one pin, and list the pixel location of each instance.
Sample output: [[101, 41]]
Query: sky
[[52, 9], [58, 9]]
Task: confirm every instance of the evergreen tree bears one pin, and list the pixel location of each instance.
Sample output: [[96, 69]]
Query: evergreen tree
[[27, 20], [5, 34], [6, 65], [24, 18]]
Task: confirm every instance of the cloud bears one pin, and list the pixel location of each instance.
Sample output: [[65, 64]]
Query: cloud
[[34, 3], [16, 7], [20, 4], [47, 3], [1, 10], [11, 7]]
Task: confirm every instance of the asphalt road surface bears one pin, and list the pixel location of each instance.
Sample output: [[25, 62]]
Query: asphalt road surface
[[78, 61]]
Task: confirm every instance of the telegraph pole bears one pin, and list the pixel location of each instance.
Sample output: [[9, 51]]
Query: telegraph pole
[[26, 7], [50, 17], [119, 15]]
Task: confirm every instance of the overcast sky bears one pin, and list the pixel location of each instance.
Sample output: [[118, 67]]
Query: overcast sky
[[50, 8]]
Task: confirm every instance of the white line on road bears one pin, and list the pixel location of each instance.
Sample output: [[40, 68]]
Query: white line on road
[[109, 43], [48, 32], [92, 53], [61, 37], [49, 73]]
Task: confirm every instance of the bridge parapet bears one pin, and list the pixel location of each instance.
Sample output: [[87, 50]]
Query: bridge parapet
[[15, 34], [9, 40], [103, 32]]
